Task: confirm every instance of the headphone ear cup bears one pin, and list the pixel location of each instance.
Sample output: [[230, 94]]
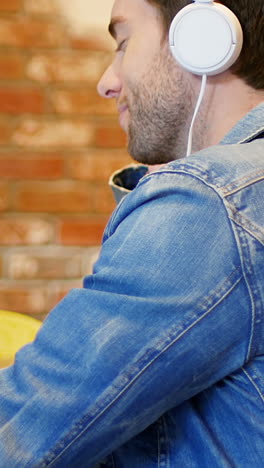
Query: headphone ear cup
[[205, 38]]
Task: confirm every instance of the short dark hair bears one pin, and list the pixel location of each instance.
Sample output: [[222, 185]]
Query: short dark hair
[[250, 64]]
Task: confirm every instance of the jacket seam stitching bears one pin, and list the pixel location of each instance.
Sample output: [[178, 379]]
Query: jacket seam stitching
[[202, 176], [253, 383], [227, 192], [251, 295], [252, 136], [252, 234]]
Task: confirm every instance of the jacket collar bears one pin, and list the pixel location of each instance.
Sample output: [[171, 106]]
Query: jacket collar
[[248, 128]]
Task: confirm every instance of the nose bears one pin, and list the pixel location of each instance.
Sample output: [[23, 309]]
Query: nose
[[109, 85]]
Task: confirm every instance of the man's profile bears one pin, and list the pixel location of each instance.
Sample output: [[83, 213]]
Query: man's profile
[[163, 364]]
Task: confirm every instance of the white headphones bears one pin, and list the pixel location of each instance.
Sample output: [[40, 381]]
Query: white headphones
[[205, 37]]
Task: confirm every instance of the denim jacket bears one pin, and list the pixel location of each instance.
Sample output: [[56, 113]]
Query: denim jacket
[[158, 361]]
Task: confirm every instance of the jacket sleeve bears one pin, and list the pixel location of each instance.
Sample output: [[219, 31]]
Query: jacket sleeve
[[164, 316]]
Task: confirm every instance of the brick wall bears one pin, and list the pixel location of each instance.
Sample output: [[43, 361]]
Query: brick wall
[[59, 142]]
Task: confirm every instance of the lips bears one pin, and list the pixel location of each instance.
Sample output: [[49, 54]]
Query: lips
[[122, 115], [122, 108]]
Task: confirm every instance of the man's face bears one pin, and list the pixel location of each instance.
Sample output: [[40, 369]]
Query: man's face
[[154, 96]]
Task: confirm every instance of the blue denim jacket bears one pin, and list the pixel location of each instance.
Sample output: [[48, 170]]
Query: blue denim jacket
[[158, 361]]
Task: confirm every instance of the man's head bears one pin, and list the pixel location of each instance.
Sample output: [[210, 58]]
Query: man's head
[[155, 96]]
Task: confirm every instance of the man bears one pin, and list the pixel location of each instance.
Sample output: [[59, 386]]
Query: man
[[158, 360]]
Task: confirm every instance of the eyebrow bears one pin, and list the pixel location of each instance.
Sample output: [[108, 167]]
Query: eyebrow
[[114, 22]]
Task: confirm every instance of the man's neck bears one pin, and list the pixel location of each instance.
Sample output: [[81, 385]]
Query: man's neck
[[228, 99]]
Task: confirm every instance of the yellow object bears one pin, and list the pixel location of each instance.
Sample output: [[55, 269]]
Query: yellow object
[[16, 330]]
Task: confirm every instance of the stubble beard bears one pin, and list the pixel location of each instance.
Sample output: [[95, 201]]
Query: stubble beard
[[160, 108]]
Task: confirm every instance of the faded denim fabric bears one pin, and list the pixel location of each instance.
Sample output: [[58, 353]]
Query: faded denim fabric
[[158, 361]]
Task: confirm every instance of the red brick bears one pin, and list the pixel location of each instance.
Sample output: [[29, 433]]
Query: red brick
[[110, 137], [21, 100], [84, 101], [31, 33], [14, 165], [11, 66], [49, 264], [94, 42], [68, 67], [25, 231], [5, 131], [24, 298], [54, 197], [53, 133], [90, 256], [41, 6], [97, 165], [104, 202], [10, 5], [85, 232], [4, 196]]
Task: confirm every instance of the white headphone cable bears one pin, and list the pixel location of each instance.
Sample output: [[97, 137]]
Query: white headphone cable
[[197, 107]]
